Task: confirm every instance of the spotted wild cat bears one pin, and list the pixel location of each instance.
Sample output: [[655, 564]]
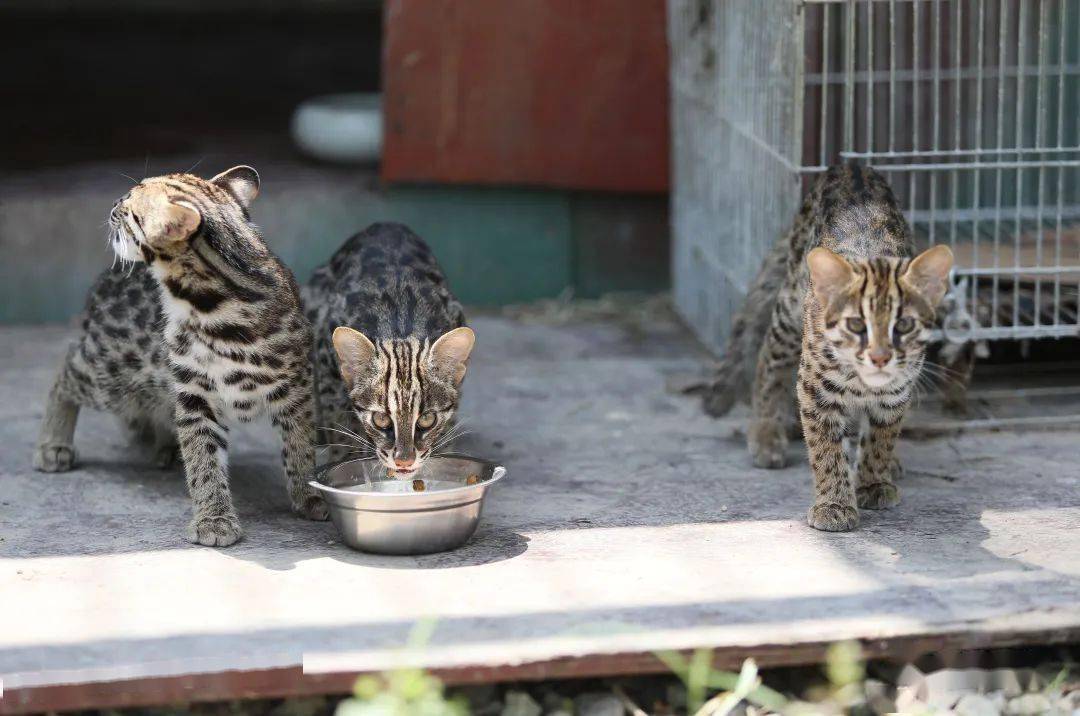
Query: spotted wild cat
[[391, 349], [851, 315], [205, 327]]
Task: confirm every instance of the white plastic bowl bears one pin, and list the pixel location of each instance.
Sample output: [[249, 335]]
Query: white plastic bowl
[[344, 128]]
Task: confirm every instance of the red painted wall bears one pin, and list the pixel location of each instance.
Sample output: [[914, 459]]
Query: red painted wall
[[565, 93]]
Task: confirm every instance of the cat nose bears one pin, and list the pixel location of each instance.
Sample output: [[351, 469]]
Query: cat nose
[[880, 356], [404, 462]]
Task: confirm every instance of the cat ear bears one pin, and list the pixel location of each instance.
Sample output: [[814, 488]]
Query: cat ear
[[452, 351], [830, 275], [242, 182], [928, 273], [355, 353], [179, 220]]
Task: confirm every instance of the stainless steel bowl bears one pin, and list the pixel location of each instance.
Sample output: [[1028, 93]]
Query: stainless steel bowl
[[376, 513]]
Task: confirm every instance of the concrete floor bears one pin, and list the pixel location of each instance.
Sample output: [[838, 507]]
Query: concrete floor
[[629, 521]]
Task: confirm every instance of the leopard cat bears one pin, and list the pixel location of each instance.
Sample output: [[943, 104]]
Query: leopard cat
[[732, 380], [851, 315], [391, 350], [203, 327]]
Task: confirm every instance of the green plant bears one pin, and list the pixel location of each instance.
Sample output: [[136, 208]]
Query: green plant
[[403, 692], [843, 668], [699, 677]]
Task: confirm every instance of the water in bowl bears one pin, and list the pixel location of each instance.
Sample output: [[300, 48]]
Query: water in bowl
[[402, 486]]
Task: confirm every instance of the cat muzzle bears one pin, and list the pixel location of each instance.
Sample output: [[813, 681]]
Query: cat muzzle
[[880, 357]]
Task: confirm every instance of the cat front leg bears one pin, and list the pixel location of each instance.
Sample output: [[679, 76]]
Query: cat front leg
[[159, 437], [55, 449], [166, 449], [292, 417], [876, 489], [204, 446], [823, 420]]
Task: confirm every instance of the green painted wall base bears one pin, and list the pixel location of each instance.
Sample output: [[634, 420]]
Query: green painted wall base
[[497, 245]]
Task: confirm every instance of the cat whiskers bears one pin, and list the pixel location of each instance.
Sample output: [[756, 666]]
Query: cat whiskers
[[117, 233], [455, 430], [941, 369], [920, 388], [932, 376], [360, 445], [448, 437], [353, 448], [350, 450], [940, 373], [355, 436], [364, 451]]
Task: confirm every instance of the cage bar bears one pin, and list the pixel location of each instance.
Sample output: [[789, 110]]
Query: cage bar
[[970, 107]]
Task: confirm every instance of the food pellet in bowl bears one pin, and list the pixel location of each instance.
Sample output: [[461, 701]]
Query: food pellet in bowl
[[418, 485], [472, 479]]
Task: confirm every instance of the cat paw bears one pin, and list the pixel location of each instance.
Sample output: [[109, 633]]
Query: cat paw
[[313, 508], [51, 457], [718, 402], [833, 517], [769, 459], [165, 456], [214, 530], [877, 496], [768, 445]]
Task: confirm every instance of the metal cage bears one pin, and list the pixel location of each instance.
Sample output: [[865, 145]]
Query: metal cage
[[971, 108]]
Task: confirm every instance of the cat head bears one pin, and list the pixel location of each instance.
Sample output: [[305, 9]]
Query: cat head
[[160, 214], [878, 314], [404, 391]]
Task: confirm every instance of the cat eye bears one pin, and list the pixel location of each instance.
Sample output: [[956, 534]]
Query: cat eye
[[904, 324], [425, 421], [380, 420], [856, 325]]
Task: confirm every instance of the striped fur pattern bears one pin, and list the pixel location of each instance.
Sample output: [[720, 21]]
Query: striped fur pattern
[[848, 335], [204, 328], [733, 378], [391, 352]]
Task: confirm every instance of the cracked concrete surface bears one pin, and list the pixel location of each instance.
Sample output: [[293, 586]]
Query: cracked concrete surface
[[629, 521]]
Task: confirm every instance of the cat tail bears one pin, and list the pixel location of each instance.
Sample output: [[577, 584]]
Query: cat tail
[[734, 375]]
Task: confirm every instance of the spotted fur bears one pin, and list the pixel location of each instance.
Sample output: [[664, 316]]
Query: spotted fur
[[848, 335], [391, 349], [733, 378], [205, 327]]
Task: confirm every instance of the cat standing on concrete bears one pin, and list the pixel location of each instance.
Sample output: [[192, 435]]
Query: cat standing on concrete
[[851, 310], [382, 308], [205, 327]]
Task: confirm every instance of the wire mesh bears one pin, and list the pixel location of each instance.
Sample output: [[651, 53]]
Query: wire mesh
[[737, 112], [970, 107]]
